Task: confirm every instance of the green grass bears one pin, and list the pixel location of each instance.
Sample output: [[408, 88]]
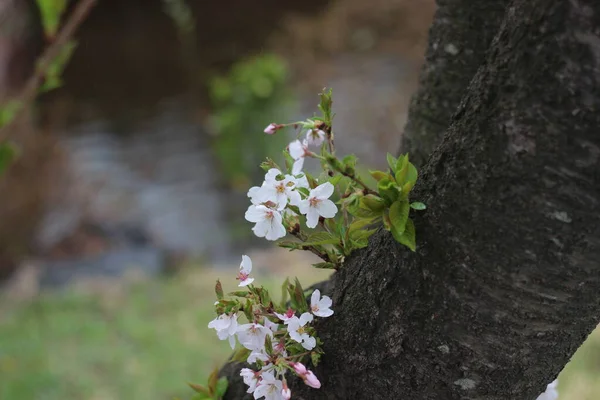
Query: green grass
[[146, 340]]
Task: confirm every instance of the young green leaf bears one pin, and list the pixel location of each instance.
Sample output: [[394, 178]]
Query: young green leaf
[[398, 217], [417, 205], [373, 202], [321, 238], [388, 190], [408, 237], [378, 175], [391, 161], [284, 292], [324, 265], [219, 290], [221, 387], [199, 388]]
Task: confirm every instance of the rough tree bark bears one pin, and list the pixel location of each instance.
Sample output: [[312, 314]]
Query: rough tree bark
[[504, 285], [459, 37]]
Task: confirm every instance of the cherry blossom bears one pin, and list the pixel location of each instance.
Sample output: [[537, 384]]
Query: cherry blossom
[[250, 379], [295, 327], [269, 387], [320, 306], [226, 327], [298, 150], [287, 316], [269, 222], [244, 275], [279, 191], [315, 137], [252, 336], [318, 204], [257, 355]]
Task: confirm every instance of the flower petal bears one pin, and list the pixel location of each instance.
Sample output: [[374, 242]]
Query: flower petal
[[323, 191], [327, 208], [312, 217], [297, 167], [255, 213], [314, 298], [309, 342], [304, 318], [246, 264], [296, 150]]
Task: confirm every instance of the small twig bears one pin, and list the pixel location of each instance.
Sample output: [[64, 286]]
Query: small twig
[[30, 91], [312, 249]]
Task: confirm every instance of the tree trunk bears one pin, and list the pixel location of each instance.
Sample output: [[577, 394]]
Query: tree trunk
[[504, 285], [459, 37]]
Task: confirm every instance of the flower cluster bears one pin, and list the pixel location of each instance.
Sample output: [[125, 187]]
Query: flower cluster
[[280, 193], [275, 339]]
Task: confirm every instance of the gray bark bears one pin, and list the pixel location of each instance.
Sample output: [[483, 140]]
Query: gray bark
[[504, 285], [459, 37]]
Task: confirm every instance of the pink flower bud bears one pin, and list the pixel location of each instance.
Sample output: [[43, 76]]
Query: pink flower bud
[[271, 129], [311, 380], [286, 393], [299, 368]]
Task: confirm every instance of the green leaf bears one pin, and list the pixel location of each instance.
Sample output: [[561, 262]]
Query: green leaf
[[284, 292], [360, 223], [8, 153], [315, 358], [248, 311], [221, 387], [268, 345], [391, 161], [199, 388], [399, 216], [289, 161], [388, 190], [417, 205], [212, 380], [408, 237], [378, 175], [241, 355], [324, 265], [412, 174], [321, 238], [373, 203], [299, 296], [219, 290], [334, 180]]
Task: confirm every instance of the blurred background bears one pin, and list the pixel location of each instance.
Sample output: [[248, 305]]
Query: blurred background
[[127, 201]]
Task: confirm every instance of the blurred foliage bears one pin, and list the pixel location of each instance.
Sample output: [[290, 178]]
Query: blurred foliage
[[244, 103], [51, 12], [180, 12]]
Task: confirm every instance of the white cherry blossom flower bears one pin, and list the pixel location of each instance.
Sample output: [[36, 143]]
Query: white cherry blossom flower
[[269, 222], [252, 336], [287, 316], [271, 325], [318, 204], [279, 191], [320, 306], [315, 137], [257, 355], [295, 327], [269, 387], [298, 150], [250, 378], [244, 275], [226, 327]]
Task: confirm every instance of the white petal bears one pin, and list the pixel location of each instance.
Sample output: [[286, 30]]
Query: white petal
[[246, 265], [271, 175], [232, 342], [312, 217], [296, 150], [327, 209], [262, 228], [324, 312], [304, 318], [255, 213], [302, 182], [246, 282], [297, 167], [276, 228], [295, 336], [325, 302], [304, 206], [323, 191], [295, 198], [314, 298], [309, 342]]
